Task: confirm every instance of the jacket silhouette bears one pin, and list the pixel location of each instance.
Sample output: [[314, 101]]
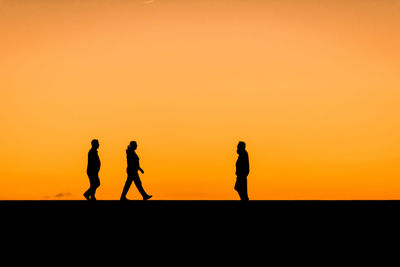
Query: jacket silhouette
[[242, 171], [132, 161], [132, 170], [93, 168]]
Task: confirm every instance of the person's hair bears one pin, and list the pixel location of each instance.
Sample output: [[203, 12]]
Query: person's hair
[[242, 145], [132, 144], [95, 142]]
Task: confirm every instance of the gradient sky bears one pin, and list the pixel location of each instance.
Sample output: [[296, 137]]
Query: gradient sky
[[312, 87]]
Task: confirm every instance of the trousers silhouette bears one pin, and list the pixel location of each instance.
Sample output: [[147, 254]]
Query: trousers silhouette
[[135, 178], [241, 187], [94, 184]]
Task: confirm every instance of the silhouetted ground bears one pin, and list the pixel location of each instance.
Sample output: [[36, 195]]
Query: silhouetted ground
[[200, 215], [200, 228]]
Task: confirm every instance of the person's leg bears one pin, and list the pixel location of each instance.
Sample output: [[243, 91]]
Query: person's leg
[[237, 186], [242, 188], [245, 196], [139, 186], [88, 194], [126, 188], [96, 184]]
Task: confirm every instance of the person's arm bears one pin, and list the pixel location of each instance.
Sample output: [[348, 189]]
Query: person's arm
[[140, 169], [98, 162], [247, 165]]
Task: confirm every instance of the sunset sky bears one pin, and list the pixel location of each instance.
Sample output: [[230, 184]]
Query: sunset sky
[[311, 86]]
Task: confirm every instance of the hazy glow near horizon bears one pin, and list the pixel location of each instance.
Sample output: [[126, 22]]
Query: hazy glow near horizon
[[313, 87]]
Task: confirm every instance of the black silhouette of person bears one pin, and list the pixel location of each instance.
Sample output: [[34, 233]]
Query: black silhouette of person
[[242, 170], [92, 171], [132, 170]]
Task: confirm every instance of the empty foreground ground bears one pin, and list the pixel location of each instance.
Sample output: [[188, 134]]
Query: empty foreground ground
[[196, 231], [199, 214], [218, 224]]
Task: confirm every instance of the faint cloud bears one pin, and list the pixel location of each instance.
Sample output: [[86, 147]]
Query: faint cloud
[[148, 2], [63, 194]]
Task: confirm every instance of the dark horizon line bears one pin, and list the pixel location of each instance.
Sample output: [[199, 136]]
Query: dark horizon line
[[202, 200]]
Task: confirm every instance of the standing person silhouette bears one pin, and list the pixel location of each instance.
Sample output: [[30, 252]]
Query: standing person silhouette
[[132, 170], [242, 170], [93, 168]]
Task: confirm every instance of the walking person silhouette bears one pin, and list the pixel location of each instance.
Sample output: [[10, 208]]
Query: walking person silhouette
[[242, 170], [93, 168], [132, 170]]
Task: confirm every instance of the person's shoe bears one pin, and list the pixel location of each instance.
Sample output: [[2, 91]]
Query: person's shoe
[[93, 198], [86, 195], [147, 197], [124, 199]]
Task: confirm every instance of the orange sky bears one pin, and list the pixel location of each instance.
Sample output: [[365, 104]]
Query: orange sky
[[313, 87]]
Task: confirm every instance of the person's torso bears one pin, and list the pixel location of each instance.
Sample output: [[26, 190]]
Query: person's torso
[[132, 161], [242, 164], [93, 161]]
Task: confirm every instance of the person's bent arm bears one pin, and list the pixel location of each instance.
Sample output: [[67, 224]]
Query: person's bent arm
[[140, 169]]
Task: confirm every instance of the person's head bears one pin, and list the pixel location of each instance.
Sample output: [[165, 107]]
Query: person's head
[[95, 143], [133, 145], [241, 146]]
